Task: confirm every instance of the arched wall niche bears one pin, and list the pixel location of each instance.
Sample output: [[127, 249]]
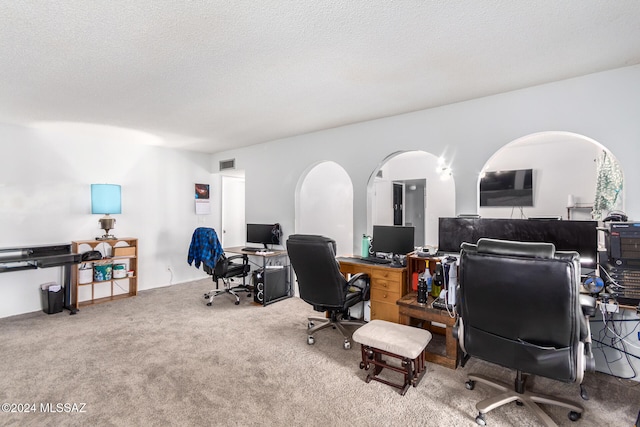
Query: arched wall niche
[[565, 176], [419, 175], [324, 204]]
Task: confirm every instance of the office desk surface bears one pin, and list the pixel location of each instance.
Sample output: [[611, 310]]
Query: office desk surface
[[360, 261], [269, 253], [387, 285], [411, 309]]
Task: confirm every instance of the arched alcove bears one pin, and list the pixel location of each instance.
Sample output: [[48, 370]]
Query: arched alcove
[[324, 204], [415, 175], [566, 170]]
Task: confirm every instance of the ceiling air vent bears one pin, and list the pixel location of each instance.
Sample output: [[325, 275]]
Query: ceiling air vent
[[227, 164]]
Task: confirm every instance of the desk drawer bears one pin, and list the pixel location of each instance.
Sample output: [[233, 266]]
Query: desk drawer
[[384, 311], [384, 295], [387, 274], [386, 285]]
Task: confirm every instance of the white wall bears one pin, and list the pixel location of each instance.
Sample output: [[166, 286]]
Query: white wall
[[325, 205], [45, 177], [563, 163], [46, 170], [601, 106]]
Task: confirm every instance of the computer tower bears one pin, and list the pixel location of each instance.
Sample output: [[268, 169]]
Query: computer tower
[[269, 288]]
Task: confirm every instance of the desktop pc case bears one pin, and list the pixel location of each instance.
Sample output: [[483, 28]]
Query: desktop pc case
[[623, 266], [269, 288]]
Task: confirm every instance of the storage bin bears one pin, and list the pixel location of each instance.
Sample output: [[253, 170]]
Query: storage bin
[[119, 271], [85, 274], [102, 272]]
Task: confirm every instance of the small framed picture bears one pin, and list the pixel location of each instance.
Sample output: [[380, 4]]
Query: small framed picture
[[202, 191]]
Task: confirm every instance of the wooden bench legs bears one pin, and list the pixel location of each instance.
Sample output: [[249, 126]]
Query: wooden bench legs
[[412, 369]]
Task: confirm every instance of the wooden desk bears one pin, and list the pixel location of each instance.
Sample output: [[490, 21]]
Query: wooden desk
[[267, 292], [410, 309], [387, 285]]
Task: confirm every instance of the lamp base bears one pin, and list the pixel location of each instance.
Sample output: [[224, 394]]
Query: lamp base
[[106, 237], [106, 223]]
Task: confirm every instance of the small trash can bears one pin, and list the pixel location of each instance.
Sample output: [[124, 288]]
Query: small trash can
[[52, 297]]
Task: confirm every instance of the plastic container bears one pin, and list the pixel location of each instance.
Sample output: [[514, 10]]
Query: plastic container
[[119, 271], [422, 291], [102, 272], [85, 274]]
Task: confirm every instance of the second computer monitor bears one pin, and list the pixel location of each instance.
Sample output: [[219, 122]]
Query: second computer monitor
[[265, 234], [394, 239]]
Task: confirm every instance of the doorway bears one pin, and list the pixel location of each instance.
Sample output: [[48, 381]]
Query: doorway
[[232, 216]]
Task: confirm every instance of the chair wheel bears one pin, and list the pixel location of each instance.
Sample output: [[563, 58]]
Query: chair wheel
[[361, 365], [470, 385], [311, 340], [209, 304], [309, 325], [237, 303], [346, 345], [574, 416], [583, 392], [480, 420]]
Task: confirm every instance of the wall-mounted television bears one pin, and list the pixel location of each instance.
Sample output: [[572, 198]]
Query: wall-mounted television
[[507, 188]]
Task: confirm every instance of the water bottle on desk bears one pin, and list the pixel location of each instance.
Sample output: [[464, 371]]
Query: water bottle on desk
[[366, 245], [422, 290]]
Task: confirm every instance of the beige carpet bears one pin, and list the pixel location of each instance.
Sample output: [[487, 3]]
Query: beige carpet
[[165, 358]]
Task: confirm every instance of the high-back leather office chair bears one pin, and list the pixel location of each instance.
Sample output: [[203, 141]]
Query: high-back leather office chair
[[321, 284], [205, 248], [520, 307]]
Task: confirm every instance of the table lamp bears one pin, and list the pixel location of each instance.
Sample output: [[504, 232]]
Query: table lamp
[[105, 200]]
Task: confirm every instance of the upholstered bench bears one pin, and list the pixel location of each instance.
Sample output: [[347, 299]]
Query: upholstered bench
[[381, 338]]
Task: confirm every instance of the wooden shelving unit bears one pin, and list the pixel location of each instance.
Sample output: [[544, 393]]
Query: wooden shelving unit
[[417, 265], [115, 251]]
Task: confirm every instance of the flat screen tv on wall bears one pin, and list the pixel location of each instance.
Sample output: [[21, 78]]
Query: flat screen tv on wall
[[507, 188]]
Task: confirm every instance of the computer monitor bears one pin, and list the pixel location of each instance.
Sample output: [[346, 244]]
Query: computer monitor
[[394, 239], [265, 234], [566, 235]]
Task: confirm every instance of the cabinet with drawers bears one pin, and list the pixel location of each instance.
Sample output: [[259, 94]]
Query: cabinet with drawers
[[388, 285]]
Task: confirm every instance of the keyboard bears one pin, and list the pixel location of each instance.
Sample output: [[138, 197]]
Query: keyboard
[[252, 249], [376, 260]]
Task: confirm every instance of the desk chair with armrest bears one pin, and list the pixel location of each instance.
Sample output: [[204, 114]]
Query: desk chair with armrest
[[226, 269], [321, 284], [520, 307], [205, 248]]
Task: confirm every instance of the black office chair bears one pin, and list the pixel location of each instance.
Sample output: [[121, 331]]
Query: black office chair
[[226, 269], [321, 284], [205, 249], [520, 307]]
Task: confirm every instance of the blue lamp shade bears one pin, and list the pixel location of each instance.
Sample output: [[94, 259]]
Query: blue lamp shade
[[105, 199]]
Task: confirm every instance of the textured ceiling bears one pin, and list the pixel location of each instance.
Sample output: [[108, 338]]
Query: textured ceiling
[[213, 75]]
